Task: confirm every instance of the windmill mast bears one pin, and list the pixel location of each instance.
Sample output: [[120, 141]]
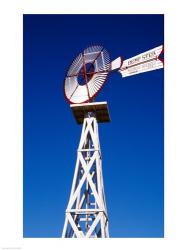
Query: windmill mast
[[86, 213]]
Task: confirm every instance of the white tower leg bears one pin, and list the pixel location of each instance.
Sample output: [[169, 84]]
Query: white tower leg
[[86, 213]]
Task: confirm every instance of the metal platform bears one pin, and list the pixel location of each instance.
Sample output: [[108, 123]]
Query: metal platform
[[99, 108]]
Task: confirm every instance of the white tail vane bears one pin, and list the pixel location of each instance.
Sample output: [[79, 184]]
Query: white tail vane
[[144, 62]]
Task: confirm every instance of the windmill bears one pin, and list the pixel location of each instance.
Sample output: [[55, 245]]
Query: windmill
[[86, 213]]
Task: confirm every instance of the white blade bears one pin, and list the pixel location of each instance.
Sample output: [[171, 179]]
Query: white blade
[[144, 62]]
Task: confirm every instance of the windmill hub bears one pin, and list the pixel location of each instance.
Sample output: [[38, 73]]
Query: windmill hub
[[86, 73]]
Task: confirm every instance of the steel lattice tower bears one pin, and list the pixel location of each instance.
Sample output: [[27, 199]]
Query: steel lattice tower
[[86, 214]]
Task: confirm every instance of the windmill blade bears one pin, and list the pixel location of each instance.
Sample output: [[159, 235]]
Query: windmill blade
[[144, 62]]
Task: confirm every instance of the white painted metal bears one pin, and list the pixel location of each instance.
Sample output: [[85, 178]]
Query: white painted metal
[[86, 214], [144, 62], [116, 64]]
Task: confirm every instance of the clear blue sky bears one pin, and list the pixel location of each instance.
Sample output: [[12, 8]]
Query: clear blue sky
[[132, 144]]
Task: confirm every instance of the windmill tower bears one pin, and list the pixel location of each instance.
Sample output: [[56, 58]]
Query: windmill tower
[[86, 213]]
